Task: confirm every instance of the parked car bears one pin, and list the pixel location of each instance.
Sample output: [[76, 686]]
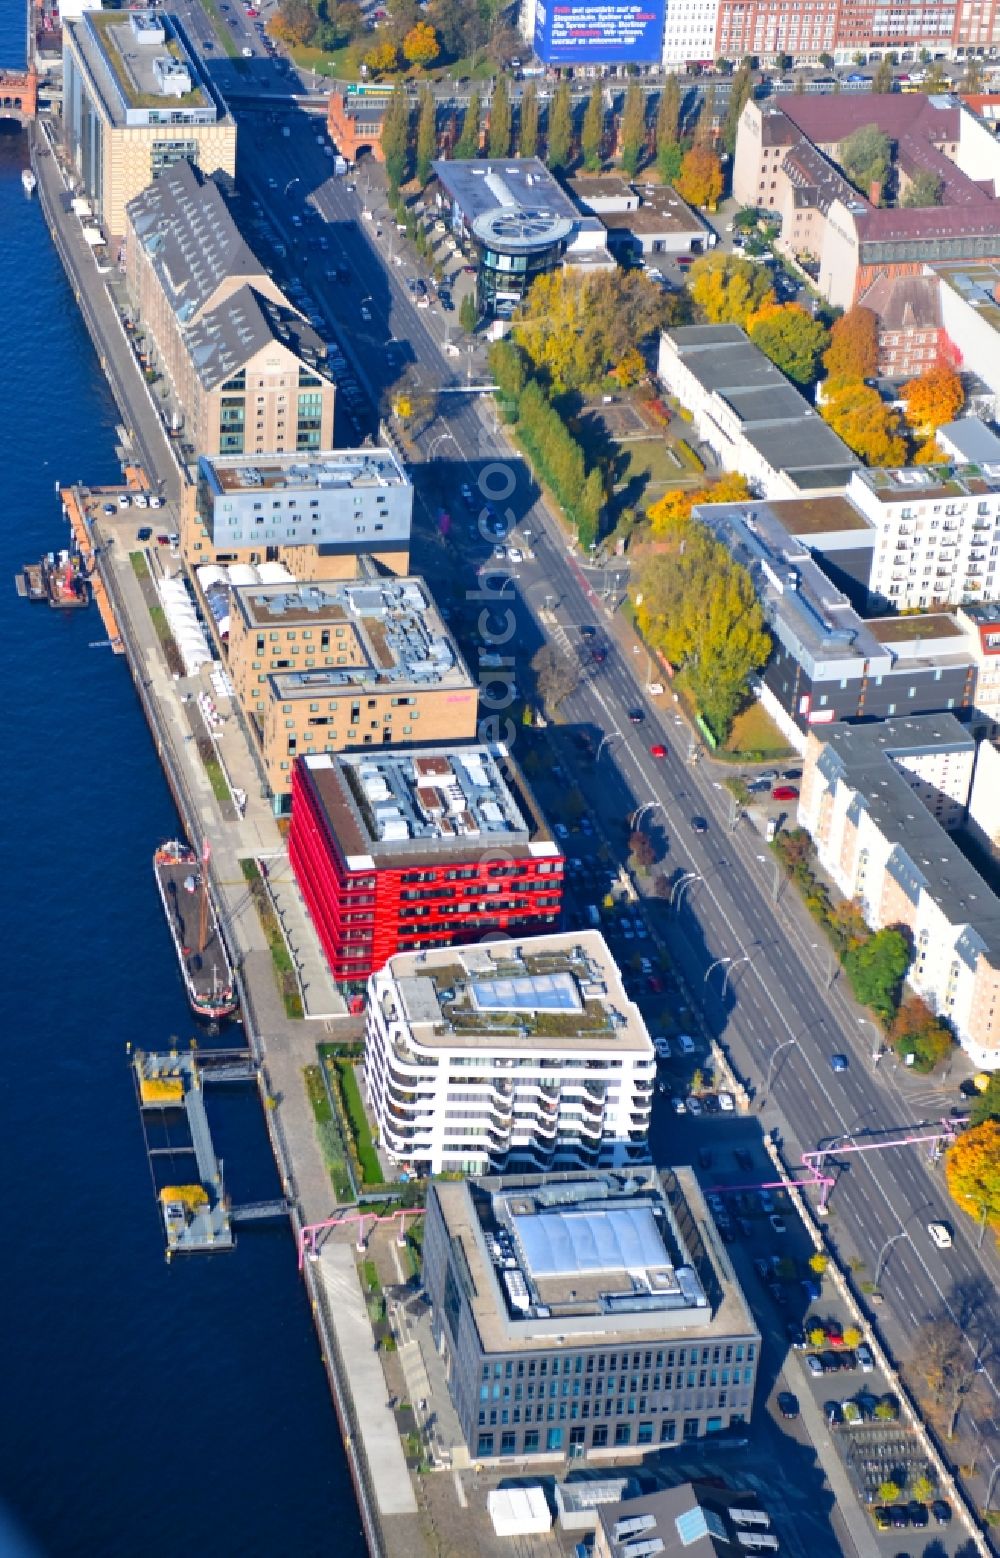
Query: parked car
[[686, 1044], [866, 1363], [144, 533], [813, 1364], [784, 792], [788, 1404], [694, 1105], [777, 1223], [941, 1510]]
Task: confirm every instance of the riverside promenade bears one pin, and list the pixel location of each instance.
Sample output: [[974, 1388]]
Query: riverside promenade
[[241, 827]]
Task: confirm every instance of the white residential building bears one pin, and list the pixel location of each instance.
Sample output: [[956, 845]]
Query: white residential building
[[689, 32], [525, 1052], [879, 802], [937, 533]]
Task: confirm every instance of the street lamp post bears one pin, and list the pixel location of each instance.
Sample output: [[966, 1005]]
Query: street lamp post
[[295, 180], [681, 885], [603, 743], [989, 1490], [785, 1043], [719, 963], [883, 1252], [734, 963], [878, 1049], [635, 821]]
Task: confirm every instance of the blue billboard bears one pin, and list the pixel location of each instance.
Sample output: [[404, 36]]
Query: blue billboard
[[599, 32]]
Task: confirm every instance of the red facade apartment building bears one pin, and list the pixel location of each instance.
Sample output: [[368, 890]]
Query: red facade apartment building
[[394, 851]]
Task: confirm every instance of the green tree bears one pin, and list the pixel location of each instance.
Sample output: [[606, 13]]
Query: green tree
[[876, 968], [467, 145], [740, 93], [924, 189], [509, 375], [859, 416], [528, 142], [669, 160], [591, 508], [396, 139], [426, 135], [818, 1263], [704, 130], [922, 1489], [499, 136], [592, 134], [792, 338], [668, 112], [888, 1491], [633, 128], [936, 80], [865, 156], [973, 79], [986, 1105], [560, 138], [468, 314], [882, 78]]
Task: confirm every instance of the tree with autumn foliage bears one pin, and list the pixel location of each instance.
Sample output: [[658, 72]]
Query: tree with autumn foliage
[[929, 453], [382, 58], [699, 607], [933, 399], [918, 1032], [295, 23], [791, 337], [574, 328], [700, 181], [669, 516], [420, 46], [729, 290], [869, 427], [972, 1170], [853, 349]]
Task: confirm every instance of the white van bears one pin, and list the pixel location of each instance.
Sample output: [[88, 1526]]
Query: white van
[[940, 1235]]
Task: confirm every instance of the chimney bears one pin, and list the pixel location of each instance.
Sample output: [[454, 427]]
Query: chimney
[[875, 192]]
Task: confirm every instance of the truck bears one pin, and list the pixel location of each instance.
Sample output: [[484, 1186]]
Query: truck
[[339, 166]]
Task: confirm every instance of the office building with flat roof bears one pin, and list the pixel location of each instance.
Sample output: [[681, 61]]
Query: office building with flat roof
[[136, 101], [586, 1314], [880, 802], [750, 415], [315, 512], [525, 1051], [810, 560], [398, 851], [344, 666], [641, 219], [521, 222]]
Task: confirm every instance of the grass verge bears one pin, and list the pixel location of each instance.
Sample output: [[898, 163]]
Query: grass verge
[[140, 567], [354, 1112], [327, 1133], [284, 970], [754, 734], [213, 768]]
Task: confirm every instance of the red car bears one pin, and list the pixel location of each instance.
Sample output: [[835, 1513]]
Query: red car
[[659, 750], [784, 792]]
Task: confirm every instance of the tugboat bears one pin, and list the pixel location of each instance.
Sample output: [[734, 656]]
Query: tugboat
[[182, 880], [28, 181]]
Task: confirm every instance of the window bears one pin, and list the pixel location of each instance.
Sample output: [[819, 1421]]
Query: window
[[554, 1439], [508, 1443], [484, 1444], [623, 1433], [668, 1431], [530, 1440], [645, 1433], [599, 1437]]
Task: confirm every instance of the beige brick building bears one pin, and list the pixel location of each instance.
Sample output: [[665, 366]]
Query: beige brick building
[[247, 369], [136, 102], [344, 667], [880, 802]]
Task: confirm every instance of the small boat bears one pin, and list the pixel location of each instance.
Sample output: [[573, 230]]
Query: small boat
[[29, 181], [182, 880]]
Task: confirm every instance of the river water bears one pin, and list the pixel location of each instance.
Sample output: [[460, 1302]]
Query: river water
[[148, 1409]]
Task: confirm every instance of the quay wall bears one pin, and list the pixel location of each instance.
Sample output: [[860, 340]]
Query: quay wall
[[336, 1369]]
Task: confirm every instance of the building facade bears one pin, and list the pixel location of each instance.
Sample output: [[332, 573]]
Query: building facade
[[938, 534], [354, 119], [585, 1316], [521, 223], [879, 802], [247, 369], [398, 851], [526, 1052], [316, 513], [343, 667], [135, 103]]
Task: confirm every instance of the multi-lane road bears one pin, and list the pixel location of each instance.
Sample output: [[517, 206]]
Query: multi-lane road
[[776, 993]]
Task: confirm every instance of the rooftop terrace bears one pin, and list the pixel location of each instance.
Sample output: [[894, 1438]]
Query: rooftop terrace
[[590, 1258], [561, 987], [145, 70], [424, 805], [334, 468]]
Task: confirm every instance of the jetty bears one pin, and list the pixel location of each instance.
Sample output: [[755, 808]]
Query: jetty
[[170, 1087]]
